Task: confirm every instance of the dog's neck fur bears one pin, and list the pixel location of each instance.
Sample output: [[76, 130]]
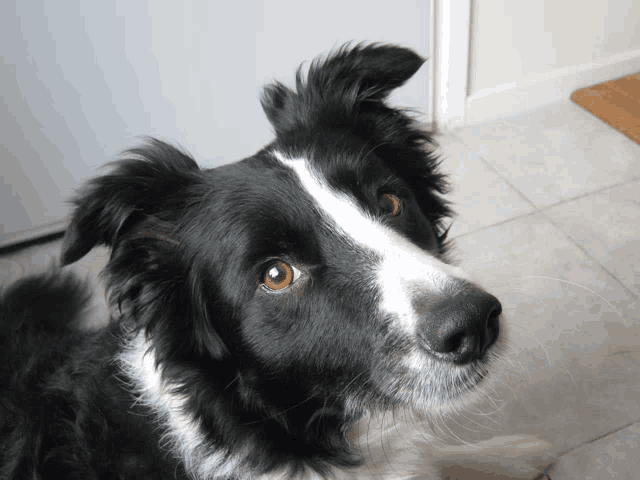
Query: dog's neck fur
[[183, 434]]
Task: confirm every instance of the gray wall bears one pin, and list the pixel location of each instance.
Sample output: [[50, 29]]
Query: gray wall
[[81, 81]]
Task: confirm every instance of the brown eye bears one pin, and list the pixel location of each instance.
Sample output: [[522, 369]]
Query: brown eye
[[391, 204], [279, 275]]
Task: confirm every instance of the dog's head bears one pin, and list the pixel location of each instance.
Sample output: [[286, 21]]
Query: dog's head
[[316, 267]]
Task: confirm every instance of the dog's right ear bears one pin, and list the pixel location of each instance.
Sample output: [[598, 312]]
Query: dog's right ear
[[345, 82], [138, 187]]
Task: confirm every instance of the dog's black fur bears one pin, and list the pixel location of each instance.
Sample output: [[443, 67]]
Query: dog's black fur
[[274, 381]]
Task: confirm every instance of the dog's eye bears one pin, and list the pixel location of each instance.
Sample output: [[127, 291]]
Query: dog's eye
[[280, 275], [391, 204]]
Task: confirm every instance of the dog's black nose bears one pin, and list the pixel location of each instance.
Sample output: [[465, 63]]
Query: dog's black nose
[[460, 328]]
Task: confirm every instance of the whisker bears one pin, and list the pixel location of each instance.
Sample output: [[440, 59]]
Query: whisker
[[530, 335], [569, 373], [272, 416], [583, 287], [464, 426], [525, 369], [232, 381], [464, 442], [348, 384], [371, 150]]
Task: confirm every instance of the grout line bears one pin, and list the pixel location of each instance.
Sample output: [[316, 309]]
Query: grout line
[[542, 210], [586, 194], [591, 257], [505, 180], [571, 240], [595, 439], [546, 207], [537, 208], [488, 164], [497, 224]]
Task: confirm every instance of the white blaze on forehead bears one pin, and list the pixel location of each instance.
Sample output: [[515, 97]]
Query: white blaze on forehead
[[404, 270]]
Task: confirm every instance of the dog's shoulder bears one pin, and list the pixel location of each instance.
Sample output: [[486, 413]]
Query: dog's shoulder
[[44, 304], [64, 410]]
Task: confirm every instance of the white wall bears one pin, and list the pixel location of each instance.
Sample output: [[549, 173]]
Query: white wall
[[527, 53], [81, 80]]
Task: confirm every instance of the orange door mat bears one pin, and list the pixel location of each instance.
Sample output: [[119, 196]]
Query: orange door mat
[[616, 103]]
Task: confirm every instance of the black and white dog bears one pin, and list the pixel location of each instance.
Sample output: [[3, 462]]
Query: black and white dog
[[260, 309]]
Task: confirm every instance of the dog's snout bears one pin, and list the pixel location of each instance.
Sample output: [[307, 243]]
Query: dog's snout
[[461, 328]]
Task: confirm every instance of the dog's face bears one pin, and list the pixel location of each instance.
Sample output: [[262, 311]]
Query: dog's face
[[317, 266]]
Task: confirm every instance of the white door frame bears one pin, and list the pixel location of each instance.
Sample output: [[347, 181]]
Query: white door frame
[[451, 22]]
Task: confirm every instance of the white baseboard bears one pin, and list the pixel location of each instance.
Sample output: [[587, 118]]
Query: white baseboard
[[21, 236], [511, 98]]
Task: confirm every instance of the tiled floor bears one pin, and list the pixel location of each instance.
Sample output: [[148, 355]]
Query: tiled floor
[[549, 221]]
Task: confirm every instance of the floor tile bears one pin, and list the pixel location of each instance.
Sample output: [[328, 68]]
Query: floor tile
[[614, 457], [574, 332], [555, 153], [607, 225], [480, 197]]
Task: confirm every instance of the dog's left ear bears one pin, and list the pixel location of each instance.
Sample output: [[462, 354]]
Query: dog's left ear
[[340, 84]]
